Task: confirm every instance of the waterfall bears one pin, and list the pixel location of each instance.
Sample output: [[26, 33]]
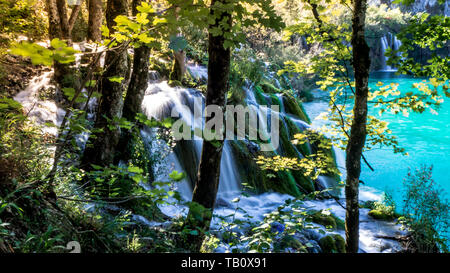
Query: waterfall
[[388, 41], [41, 110], [159, 102]]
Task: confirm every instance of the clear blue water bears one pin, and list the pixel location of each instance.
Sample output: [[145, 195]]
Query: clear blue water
[[426, 137]]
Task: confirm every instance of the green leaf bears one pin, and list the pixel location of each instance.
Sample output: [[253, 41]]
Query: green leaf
[[177, 176], [135, 169], [116, 79]]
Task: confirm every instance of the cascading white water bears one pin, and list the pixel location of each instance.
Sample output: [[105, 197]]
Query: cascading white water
[[160, 101], [41, 110], [388, 41]]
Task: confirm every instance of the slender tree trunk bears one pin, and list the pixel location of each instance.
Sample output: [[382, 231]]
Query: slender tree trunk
[[361, 65], [54, 29], [66, 25], [95, 20], [136, 91], [179, 66], [179, 61], [207, 183], [66, 22], [103, 147]]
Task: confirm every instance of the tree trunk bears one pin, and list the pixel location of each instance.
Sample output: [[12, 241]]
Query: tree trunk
[[179, 59], [136, 91], [65, 26], [95, 20], [67, 23], [54, 29], [179, 66], [361, 65], [207, 183], [103, 147]]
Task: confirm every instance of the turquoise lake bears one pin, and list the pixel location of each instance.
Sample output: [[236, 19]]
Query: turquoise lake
[[426, 137]]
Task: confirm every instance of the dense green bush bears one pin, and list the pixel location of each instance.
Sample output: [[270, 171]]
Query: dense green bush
[[21, 17], [426, 211]]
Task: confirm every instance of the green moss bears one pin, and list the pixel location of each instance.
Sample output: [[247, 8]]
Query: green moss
[[381, 215], [174, 83], [286, 183], [339, 243], [294, 107], [305, 184], [248, 169], [260, 99], [293, 129], [262, 180], [324, 220], [288, 241], [332, 244], [327, 244], [275, 101], [327, 220], [269, 88]]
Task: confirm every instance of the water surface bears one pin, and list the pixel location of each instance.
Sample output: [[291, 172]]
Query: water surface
[[426, 138]]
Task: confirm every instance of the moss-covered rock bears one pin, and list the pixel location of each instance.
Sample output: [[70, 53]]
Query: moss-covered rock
[[269, 88], [289, 241], [259, 96], [339, 243], [332, 244], [293, 129], [294, 107], [381, 215], [289, 150], [174, 83], [259, 179], [327, 220], [275, 101]]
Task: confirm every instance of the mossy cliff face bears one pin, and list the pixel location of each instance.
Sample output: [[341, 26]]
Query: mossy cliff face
[[261, 180], [294, 107], [292, 182], [293, 120]]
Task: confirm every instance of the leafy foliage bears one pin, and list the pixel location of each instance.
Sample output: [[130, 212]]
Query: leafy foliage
[[426, 211], [312, 165], [38, 54], [22, 17], [425, 32]]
